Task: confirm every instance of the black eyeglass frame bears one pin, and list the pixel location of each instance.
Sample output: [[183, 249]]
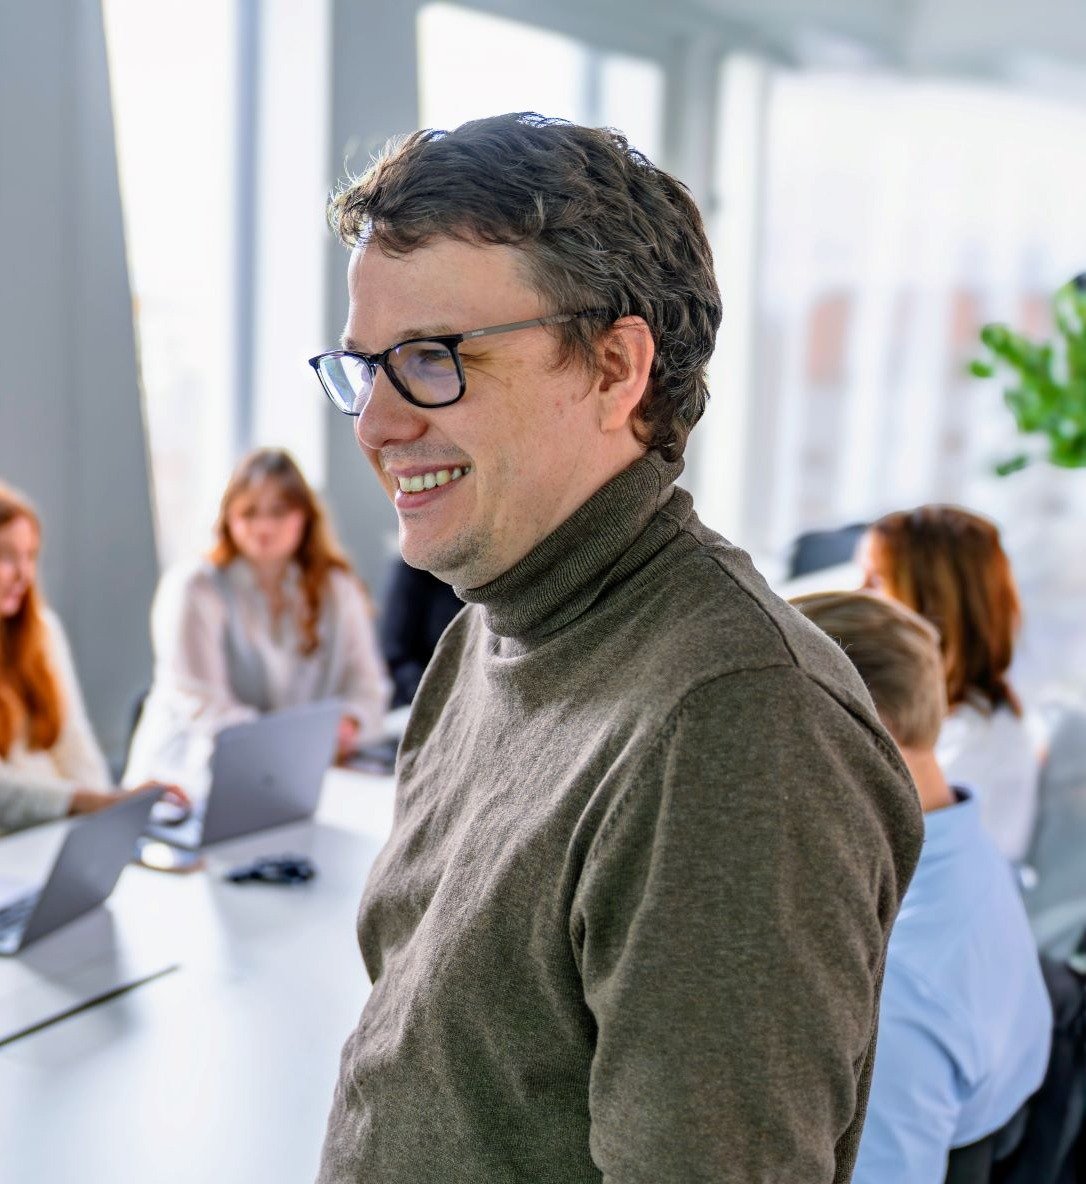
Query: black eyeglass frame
[[451, 341]]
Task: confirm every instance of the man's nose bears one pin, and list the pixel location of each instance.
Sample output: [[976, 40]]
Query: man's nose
[[387, 417]]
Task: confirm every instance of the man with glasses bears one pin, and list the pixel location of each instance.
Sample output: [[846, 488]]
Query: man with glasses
[[650, 836]]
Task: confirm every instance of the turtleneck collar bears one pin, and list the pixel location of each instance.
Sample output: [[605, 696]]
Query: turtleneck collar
[[565, 573]]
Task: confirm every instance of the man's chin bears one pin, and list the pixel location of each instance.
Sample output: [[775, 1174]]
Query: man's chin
[[452, 562]]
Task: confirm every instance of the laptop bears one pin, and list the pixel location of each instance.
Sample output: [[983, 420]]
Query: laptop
[[265, 772], [88, 865]]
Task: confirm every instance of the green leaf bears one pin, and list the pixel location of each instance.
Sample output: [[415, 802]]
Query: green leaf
[[1011, 465], [1046, 392]]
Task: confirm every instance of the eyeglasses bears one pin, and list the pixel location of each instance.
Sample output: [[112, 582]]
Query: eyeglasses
[[427, 371]]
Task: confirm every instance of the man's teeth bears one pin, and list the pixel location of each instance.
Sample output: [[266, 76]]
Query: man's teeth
[[422, 481]]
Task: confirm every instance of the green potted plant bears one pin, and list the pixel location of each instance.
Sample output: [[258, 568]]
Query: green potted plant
[[1046, 390]]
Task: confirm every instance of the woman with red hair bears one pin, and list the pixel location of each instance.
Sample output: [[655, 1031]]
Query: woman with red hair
[[273, 617], [948, 565], [50, 762]]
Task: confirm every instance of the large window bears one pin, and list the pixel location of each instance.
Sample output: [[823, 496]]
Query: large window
[[173, 74], [876, 223], [221, 119]]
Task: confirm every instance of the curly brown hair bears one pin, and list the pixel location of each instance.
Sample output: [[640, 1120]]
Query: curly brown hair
[[318, 553], [599, 227]]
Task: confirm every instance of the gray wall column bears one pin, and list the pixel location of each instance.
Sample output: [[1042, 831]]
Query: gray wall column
[[374, 96], [71, 428]]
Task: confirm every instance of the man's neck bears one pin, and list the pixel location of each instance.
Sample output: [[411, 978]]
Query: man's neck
[[935, 793]]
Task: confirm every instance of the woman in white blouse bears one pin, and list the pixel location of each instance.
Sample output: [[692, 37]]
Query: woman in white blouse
[[272, 618], [947, 564], [50, 763]]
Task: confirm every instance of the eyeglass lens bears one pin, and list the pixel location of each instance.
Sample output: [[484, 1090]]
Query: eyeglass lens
[[427, 370]]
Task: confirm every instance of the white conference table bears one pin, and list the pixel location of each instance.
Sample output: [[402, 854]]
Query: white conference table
[[219, 1070]]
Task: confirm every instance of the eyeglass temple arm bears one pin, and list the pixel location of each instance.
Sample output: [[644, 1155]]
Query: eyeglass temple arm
[[556, 319]]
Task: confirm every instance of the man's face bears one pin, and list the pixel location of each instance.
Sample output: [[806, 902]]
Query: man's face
[[525, 435]]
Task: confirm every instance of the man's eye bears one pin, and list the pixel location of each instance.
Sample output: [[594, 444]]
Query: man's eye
[[438, 358], [424, 357]]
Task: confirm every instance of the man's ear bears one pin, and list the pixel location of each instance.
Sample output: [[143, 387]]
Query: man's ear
[[624, 357]]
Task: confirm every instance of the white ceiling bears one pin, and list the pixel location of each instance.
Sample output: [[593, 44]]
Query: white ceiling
[[993, 37]]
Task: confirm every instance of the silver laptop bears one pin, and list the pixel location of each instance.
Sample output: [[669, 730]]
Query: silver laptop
[[264, 773], [88, 865]]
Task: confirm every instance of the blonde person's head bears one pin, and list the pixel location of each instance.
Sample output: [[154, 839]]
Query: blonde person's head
[[897, 654]]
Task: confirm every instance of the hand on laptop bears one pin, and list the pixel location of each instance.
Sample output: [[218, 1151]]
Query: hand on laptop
[[173, 794], [87, 801], [347, 737]]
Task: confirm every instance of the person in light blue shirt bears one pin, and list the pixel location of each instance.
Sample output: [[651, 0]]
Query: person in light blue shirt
[[965, 1022]]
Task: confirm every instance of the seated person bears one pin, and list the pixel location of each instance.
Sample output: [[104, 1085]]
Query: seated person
[[50, 762], [965, 1021], [948, 565], [418, 606], [273, 618]]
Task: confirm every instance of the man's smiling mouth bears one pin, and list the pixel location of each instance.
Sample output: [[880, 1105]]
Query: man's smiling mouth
[[420, 481]]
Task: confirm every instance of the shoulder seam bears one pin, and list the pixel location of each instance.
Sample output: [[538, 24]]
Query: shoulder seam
[[685, 529], [796, 664]]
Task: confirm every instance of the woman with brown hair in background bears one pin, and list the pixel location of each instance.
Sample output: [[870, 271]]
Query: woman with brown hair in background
[[50, 762], [273, 617], [948, 565]]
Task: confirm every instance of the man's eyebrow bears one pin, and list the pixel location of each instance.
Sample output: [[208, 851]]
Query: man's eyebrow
[[443, 330]]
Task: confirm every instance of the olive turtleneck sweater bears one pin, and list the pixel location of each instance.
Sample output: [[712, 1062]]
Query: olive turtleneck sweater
[[648, 845]]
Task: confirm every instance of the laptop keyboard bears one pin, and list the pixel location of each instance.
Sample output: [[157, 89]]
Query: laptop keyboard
[[15, 915]]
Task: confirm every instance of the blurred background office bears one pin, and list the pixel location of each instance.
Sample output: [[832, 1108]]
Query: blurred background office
[[880, 180]]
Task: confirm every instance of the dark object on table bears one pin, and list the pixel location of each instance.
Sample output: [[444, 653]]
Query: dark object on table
[[274, 869], [417, 608]]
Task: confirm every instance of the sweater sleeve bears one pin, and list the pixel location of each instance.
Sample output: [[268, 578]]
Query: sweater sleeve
[[29, 796], [363, 684], [731, 923], [26, 800]]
